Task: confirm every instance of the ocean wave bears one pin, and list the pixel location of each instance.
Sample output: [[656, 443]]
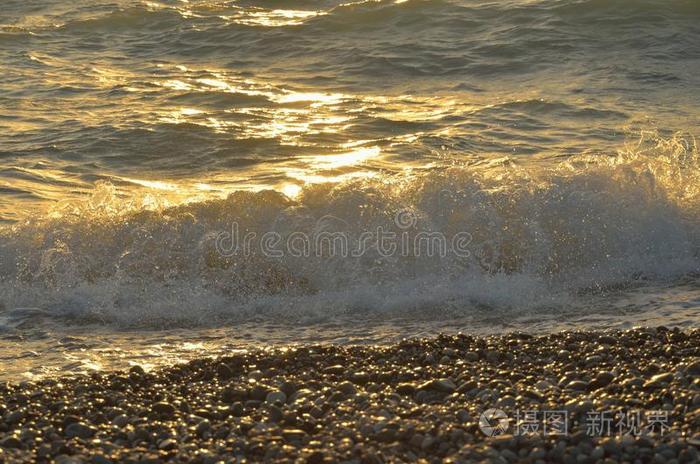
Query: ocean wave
[[426, 38], [538, 236], [639, 10], [213, 95], [443, 16], [125, 19]]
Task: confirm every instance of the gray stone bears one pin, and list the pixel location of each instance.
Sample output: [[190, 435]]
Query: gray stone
[[463, 416], [601, 380], [293, 434], [659, 380], [276, 397], [347, 388], [11, 443], [439, 385], [275, 414], [578, 385], [99, 459], [693, 368], [167, 444], [121, 421], [164, 409], [598, 452], [14, 417], [79, 430], [405, 389]]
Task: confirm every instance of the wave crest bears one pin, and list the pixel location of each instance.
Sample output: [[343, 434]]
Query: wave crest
[[537, 235]]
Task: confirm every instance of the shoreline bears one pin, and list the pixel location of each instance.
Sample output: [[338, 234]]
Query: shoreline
[[418, 399], [33, 347]]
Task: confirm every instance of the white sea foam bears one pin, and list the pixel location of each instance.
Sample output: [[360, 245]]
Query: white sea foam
[[540, 237]]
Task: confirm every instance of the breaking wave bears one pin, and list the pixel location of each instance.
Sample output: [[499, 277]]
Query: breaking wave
[[540, 236]]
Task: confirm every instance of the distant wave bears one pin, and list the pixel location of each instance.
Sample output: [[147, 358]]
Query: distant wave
[[120, 20], [640, 10]]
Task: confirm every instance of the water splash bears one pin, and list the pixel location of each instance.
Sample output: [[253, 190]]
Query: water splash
[[540, 236]]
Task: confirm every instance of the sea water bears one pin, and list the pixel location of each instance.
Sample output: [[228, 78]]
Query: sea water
[[185, 177]]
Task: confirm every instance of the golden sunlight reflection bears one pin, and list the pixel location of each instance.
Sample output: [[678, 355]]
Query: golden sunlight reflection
[[317, 134], [271, 18], [252, 88], [315, 98], [153, 184], [344, 159], [275, 18], [154, 194], [180, 116], [291, 190], [288, 115], [325, 168]]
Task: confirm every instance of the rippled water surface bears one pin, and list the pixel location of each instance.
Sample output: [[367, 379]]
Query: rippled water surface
[[559, 134], [209, 96]]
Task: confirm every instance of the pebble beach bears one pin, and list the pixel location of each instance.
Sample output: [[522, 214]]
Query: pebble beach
[[350, 231], [419, 400]]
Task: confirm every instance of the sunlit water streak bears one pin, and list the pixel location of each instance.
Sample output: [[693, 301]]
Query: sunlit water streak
[[559, 133]]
